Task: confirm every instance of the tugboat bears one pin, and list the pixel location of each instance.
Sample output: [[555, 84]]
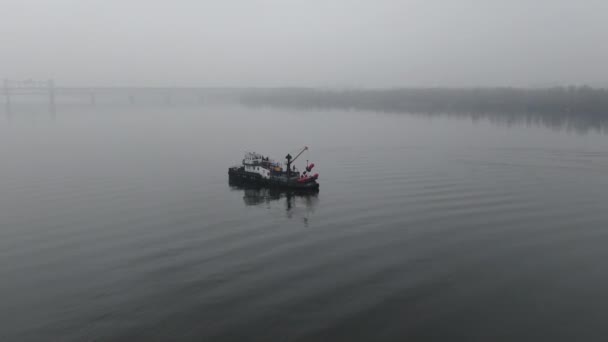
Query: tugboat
[[263, 171]]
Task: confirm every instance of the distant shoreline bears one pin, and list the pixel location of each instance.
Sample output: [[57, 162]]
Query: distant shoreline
[[580, 100], [583, 107], [571, 99]]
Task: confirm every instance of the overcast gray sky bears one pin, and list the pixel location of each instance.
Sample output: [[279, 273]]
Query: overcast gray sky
[[327, 43]]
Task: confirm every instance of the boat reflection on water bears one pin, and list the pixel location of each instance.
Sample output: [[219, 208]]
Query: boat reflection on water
[[296, 203]]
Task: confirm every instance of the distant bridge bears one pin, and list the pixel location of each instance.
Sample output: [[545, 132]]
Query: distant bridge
[[51, 94]]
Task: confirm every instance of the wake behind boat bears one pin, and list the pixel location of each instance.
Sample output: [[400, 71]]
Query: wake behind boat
[[257, 169]]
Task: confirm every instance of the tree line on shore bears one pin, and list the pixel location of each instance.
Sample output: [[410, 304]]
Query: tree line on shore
[[576, 107], [582, 100]]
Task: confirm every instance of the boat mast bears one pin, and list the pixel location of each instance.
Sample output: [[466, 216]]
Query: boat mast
[[290, 160]]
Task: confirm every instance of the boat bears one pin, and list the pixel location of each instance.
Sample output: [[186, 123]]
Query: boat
[[260, 170]]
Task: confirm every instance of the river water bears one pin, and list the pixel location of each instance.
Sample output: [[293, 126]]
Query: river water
[[119, 224]]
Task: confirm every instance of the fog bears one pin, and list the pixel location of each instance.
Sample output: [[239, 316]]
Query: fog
[[313, 43], [455, 185]]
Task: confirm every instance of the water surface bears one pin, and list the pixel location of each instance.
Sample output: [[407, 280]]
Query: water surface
[[119, 224]]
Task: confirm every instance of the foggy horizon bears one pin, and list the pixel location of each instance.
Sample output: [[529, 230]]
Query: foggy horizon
[[291, 170], [338, 44]]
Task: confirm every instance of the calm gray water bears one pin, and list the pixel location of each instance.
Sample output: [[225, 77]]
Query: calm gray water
[[120, 224]]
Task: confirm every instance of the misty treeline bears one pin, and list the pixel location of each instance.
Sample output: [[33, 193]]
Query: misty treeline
[[577, 107], [580, 100]]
